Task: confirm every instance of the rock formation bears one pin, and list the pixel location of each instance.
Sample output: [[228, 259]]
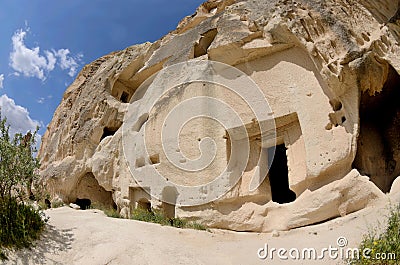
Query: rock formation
[[330, 73]]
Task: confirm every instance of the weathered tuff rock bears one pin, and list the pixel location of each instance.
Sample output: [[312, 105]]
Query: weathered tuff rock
[[329, 70]]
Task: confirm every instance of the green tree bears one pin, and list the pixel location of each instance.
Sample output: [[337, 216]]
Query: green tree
[[20, 223], [17, 165]]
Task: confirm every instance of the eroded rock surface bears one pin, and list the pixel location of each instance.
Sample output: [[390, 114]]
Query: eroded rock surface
[[329, 70]]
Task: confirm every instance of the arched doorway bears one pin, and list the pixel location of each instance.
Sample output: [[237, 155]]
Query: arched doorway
[[378, 144]]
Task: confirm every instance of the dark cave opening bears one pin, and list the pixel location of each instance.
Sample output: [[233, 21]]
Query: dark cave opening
[[378, 144], [124, 97], [279, 176], [83, 203], [88, 192], [107, 131]]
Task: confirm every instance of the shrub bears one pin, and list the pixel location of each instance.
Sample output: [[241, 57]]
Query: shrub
[[196, 226], [17, 165], [156, 216], [57, 204], [153, 216], [111, 212], [387, 242], [20, 223]]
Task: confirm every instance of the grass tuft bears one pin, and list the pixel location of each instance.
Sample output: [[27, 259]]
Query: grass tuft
[[153, 216], [108, 210], [156, 216], [57, 204], [388, 243]]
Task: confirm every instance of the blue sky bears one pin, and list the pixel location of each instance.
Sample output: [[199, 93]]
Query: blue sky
[[44, 45]]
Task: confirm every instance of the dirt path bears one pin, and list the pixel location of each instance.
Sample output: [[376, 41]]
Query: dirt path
[[89, 237]]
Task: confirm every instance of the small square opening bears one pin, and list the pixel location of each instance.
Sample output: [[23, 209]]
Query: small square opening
[[155, 159], [140, 162]]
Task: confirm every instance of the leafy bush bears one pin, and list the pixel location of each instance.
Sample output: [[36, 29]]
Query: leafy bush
[[196, 226], [17, 165], [156, 216], [388, 242], [153, 216], [57, 204], [20, 223], [111, 212]]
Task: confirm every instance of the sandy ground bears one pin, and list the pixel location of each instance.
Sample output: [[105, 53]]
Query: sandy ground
[[89, 237]]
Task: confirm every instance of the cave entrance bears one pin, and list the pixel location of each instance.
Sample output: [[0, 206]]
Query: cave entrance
[[108, 131], [88, 191], [279, 176], [144, 204], [140, 198], [378, 144], [124, 97]]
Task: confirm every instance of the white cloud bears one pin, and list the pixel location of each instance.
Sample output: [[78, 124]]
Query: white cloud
[[68, 62], [18, 117], [32, 63], [40, 100], [28, 61], [1, 80], [51, 59]]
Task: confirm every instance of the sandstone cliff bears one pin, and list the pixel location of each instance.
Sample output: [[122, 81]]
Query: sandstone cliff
[[329, 70]]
